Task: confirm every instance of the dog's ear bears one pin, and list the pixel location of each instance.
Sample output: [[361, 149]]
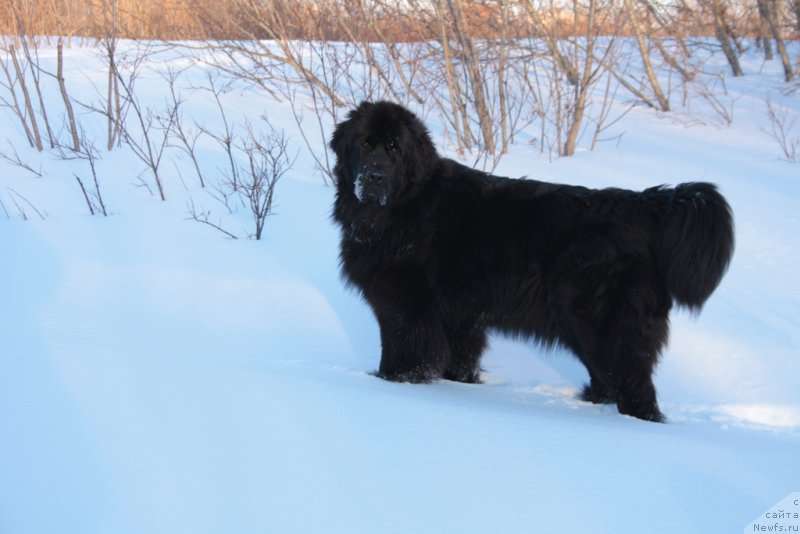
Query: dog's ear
[[342, 139], [422, 155]]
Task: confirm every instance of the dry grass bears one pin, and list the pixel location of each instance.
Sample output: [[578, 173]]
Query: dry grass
[[134, 19], [364, 20]]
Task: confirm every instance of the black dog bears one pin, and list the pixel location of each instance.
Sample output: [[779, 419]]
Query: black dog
[[442, 252]]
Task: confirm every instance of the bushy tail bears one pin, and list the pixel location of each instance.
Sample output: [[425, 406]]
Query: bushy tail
[[697, 242]]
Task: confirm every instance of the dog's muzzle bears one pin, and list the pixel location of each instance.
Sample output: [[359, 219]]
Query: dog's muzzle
[[371, 186]]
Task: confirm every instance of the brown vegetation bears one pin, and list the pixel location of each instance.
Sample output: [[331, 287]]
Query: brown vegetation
[[136, 19], [457, 57], [378, 20]]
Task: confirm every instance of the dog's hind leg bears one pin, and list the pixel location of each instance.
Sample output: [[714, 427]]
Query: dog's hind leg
[[632, 352], [624, 379], [620, 355], [637, 394], [585, 344]]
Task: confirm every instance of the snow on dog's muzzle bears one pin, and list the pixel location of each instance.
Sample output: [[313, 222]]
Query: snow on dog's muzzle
[[371, 186]]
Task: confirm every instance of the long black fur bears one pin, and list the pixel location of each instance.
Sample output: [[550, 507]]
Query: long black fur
[[442, 253]]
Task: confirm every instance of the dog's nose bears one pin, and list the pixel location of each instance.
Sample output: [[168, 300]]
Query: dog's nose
[[376, 176]]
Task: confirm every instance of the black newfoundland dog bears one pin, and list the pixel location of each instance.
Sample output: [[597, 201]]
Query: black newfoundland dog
[[442, 253]]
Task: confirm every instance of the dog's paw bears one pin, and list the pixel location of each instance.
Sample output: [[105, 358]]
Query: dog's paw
[[597, 395], [467, 376], [419, 375], [646, 411]]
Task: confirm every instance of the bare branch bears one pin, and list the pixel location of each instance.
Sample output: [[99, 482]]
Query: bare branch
[[15, 159], [203, 217]]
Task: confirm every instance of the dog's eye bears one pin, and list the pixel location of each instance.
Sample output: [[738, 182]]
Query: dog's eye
[[365, 144], [392, 147]]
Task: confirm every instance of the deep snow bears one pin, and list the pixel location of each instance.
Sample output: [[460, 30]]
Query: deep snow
[[158, 377]]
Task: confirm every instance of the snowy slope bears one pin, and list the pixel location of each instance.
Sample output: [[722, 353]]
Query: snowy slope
[[156, 377]]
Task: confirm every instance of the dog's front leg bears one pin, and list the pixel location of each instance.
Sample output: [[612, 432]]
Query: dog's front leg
[[412, 350], [414, 347]]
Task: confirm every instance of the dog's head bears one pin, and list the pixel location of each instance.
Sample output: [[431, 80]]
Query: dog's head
[[381, 149]]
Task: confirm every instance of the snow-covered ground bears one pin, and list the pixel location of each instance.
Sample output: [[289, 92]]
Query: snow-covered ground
[[157, 377]]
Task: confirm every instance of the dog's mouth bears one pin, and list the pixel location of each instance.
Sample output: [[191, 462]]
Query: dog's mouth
[[370, 187]]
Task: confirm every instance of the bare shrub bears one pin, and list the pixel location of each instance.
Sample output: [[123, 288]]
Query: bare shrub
[[268, 160], [145, 130], [184, 137], [261, 158], [13, 157], [108, 43], [769, 11], [87, 151], [9, 98], [23, 205], [783, 129], [15, 75], [217, 88]]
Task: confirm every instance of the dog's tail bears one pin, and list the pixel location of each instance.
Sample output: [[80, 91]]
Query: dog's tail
[[696, 243]]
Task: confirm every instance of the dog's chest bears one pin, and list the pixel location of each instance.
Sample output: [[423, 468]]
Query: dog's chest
[[392, 244]]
